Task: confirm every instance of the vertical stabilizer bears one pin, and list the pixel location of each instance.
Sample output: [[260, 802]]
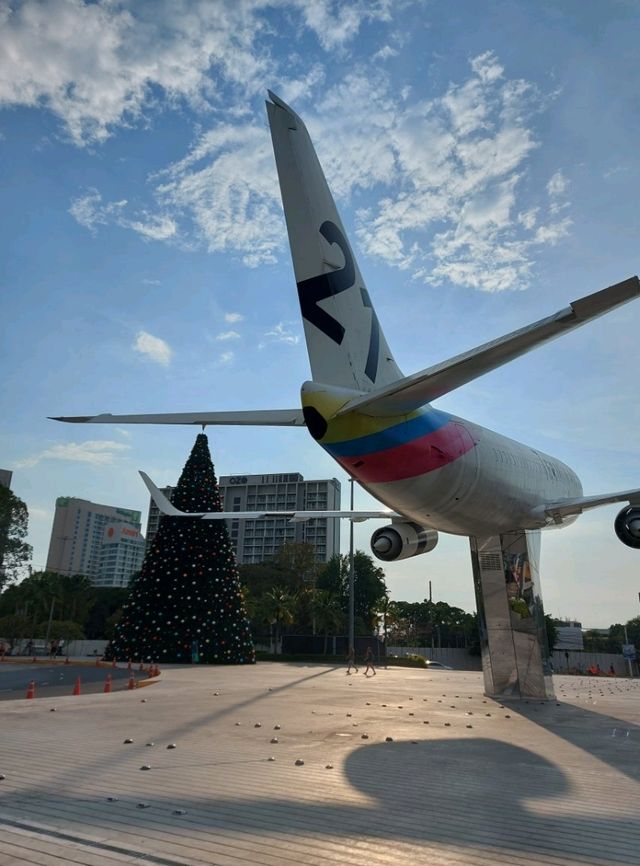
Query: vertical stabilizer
[[345, 342]]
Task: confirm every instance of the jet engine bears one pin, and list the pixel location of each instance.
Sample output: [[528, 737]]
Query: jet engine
[[401, 540], [627, 526]]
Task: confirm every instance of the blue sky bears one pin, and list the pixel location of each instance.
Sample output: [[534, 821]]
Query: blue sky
[[484, 158]]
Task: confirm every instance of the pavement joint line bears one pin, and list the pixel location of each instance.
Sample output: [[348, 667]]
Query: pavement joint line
[[41, 830]]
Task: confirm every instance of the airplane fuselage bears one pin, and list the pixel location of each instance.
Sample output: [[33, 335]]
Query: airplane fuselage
[[440, 470]]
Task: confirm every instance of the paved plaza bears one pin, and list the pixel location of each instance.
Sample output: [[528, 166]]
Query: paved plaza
[[407, 767]]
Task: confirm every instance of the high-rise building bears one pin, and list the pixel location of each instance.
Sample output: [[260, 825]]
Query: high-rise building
[[257, 540], [99, 541], [5, 477]]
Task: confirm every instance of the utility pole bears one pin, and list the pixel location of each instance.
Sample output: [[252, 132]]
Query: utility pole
[[352, 583]]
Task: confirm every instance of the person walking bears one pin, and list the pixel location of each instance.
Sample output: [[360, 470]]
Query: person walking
[[368, 660], [350, 659]]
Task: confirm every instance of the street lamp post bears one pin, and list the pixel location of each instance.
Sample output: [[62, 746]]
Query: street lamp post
[[352, 592]]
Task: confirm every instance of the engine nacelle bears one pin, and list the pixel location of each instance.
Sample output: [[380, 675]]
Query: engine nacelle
[[627, 526], [401, 540]]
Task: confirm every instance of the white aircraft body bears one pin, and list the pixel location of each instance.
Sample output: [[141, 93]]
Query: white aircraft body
[[435, 471]]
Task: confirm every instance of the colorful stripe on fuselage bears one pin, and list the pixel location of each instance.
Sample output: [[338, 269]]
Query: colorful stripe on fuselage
[[421, 442]]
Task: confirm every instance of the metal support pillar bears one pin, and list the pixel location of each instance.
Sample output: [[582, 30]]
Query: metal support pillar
[[513, 639]]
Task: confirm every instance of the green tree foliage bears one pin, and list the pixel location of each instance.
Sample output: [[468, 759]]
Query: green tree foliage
[[428, 623], [14, 525], [60, 629], [369, 585], [15, 626], [552, 631], [108, 601], [189, 587], [279, 609], [326, 610]]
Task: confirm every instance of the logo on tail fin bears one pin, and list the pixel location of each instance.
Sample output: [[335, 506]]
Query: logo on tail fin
[[316, 289]]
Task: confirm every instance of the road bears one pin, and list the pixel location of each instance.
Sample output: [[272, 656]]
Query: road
[[58, 680]]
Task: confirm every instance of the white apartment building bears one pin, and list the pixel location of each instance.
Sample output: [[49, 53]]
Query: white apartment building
[[257, 540]]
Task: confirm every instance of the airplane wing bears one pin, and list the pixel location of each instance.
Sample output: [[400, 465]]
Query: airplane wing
[[257, 417], [170, 510], [565, 507], [409, 393]]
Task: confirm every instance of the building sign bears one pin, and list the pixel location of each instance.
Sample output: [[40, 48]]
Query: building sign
[[629, 652], [116, 532], [238, 479]]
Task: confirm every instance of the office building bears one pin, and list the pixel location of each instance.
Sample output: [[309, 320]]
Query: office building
[[101, 542], [5, 477], [257, 540]]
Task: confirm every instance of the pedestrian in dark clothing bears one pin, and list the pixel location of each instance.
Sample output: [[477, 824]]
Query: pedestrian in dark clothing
[[350, 659], [368, 660]]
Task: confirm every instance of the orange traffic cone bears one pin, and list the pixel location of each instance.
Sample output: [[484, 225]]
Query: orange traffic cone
[[132, 682], [107, 685], [77, 689], [129, 668], [113, 664], [31, 689]]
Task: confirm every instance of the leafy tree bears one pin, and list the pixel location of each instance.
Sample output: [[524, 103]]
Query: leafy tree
[[15, 626], [189, 587], [552, 631], [369, 585], [14, 525], [107, 601], [61, 629]]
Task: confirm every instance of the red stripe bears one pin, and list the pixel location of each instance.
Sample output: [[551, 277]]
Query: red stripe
[[422, 455]]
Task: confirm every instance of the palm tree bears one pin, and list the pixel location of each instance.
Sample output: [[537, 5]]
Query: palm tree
[[279, 606], [327, 612]]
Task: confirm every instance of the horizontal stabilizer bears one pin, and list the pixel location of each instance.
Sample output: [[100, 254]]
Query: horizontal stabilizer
[[409, 393], [556, 511], [170, 510], [257, 418]]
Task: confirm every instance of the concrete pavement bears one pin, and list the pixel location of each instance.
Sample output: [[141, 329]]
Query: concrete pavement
[[462, 779]]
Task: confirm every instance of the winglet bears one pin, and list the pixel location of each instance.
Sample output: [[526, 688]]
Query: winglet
[[161, 500]]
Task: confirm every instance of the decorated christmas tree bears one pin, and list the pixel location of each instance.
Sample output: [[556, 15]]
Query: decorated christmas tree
[[186, 605]]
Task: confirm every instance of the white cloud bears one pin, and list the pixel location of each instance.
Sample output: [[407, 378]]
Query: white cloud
[[444, 176], [281, 333], [226, 358], [153, 347], [147, 282], [100, 65], [155, 227], [557, 185], [90, 212], [232, 318], [98, 452], [228, 335]]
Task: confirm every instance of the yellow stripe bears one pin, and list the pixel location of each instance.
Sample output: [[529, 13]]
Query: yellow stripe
[[352, 425]]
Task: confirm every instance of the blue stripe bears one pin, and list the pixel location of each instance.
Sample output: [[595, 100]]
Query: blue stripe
[[399, 434]]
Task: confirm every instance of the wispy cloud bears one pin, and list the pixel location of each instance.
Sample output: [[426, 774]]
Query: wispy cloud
[[153, 347], [226, 358], [232, 318], [228, 335], [281, 333], [90, 211], [98, 452]]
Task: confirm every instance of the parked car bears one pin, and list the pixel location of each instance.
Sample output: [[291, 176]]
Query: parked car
[[437, 666]]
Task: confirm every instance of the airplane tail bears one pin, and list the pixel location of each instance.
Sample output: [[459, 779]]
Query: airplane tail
[[345, 343]]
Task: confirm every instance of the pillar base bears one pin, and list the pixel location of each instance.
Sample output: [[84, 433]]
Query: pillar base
[[513, 638]]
